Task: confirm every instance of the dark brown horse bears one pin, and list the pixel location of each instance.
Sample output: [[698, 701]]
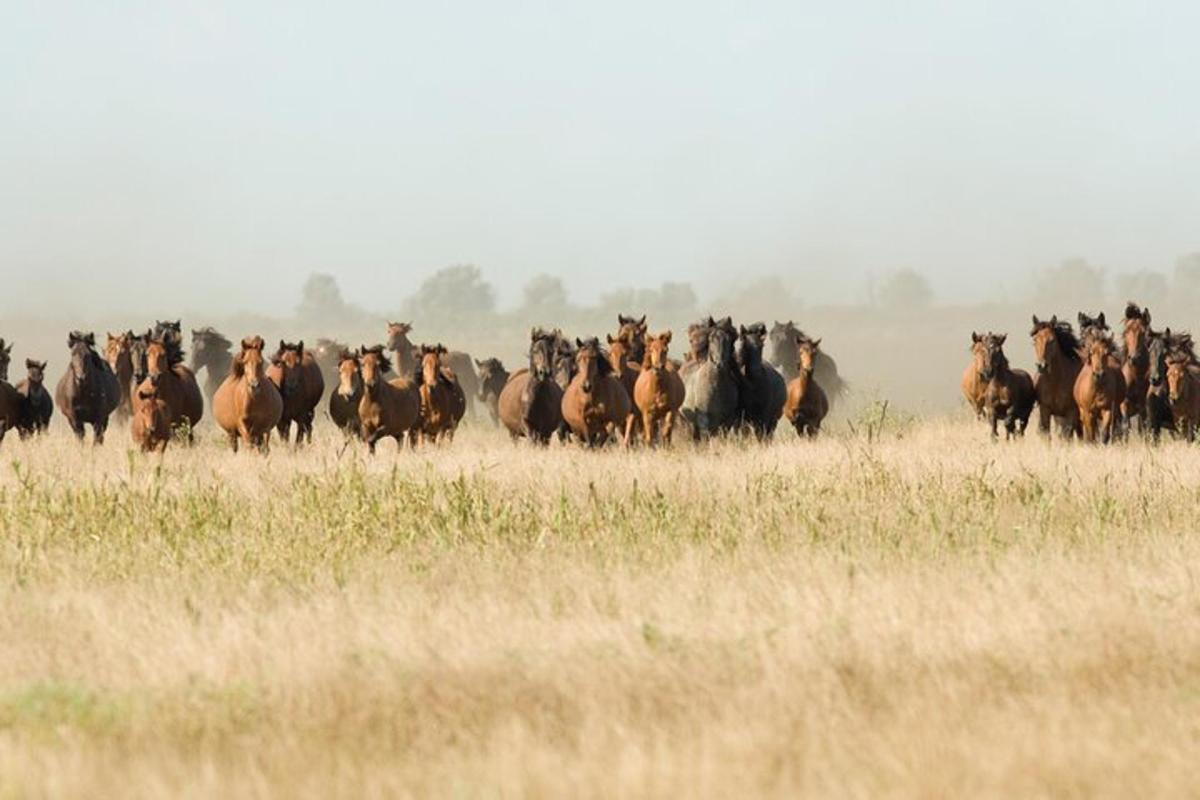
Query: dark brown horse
[[211, 352], [492, 379], [632, 331], [388, 408], [1099, 391], [1183, 391], [247, 406], [1158, 402], [176, 386], [347, 394], [36, 404], [1056, 351], [1009, 394], [296, 375], [5, 358], [1135, 364], [118, 354], [10, 409], [596, 405], [87, 393], [530, 404]]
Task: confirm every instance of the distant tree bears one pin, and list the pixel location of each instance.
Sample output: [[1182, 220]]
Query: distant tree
[[321, 299], [1146, 288], [1074, 285], [676, 297], [905, 288], [544, 293], [455, 290]]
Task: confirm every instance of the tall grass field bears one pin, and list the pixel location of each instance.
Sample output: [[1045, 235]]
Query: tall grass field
[[896, 610]]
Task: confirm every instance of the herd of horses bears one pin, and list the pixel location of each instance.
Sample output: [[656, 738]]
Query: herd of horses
[[1095, 387], [731, 380]]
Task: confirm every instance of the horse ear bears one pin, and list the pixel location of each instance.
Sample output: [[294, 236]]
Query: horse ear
[[1167, 332], [1035, 320], [816, 344], [1054, 320], [1146, 315], [666, 337], [300, 347], [642, 321], [975, 336], [1001, 338], [90, 338], [1100, 320], [742, 330], [578, 342], [609, 337]]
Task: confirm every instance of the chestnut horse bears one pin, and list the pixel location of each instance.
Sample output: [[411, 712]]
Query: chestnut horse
[[1135, 366], [1056, 351], [298, 378], [442, 401], [151, 424], [346, 394], [807, 403], [388, 408], [530, 404], [974, 385], [176, 386], [596, 405], [620, 356], [247, 406], [658, 392], [118, 354], [1099, 391]]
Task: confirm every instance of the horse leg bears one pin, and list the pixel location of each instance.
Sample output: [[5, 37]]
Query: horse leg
[[233, 440], [992, 421], [1043, 420], [98, 432]]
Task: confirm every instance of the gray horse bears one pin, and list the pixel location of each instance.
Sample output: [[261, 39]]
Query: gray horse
[[710, 403]]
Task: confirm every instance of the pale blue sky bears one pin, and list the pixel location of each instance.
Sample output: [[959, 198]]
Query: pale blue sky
[[233, 147]]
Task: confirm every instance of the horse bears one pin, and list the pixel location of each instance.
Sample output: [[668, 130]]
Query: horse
[[632, 331], [442, 400], [1158, 401], [117, 352], [151, 424], [298, 378], [347, 394], [328, 355], [1008, 393], [87, 393], [781, 351], [530, 404], [36, 404], [211, 352], [10, 409], [247, 406], [1135, 366], [1183, 391], [658, 392], [1056, 353], [565, 368], [492, 378], [711, 402], [171, 335], [5, 358], [387, 408], [176, 386], [620, 358], [807, 404], [973, 384], [1091, 328], [408, 360], [1099, 391], [137, 355], [762, 391], [596, 405]]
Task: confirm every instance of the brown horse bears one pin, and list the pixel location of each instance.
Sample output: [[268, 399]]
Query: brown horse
[[298, 378], [1135, 366], [404, 354], [620, 358], [87, 393], [151, 424], [1056, 351], [347, 394], [632, 331], [1183, 392], [596, 405], [388, 408], [247, 406], [10, 408], [1008, 393], [974, 387], [5, 358], [408, 359], [658, 392], [36, 404], [176, 386], [1099, 391], [442, 401], [118, 354], [807, 404], [492, 378]]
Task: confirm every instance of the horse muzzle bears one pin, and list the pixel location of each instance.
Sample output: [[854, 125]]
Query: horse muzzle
[[587, 386], [1041, 367]]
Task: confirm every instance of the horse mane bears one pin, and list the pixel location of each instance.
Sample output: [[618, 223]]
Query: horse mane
[[1132, 311], [604, 366], [1068, 343], [385, 363]]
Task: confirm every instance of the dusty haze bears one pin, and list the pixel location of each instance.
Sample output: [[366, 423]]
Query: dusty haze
[[203, 161]]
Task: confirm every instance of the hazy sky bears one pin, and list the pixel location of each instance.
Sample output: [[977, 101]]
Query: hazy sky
[[217, 152]]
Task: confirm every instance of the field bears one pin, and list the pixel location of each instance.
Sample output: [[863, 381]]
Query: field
[[912, 611]]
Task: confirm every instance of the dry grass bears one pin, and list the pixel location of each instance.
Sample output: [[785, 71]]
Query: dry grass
[[924, 614]]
